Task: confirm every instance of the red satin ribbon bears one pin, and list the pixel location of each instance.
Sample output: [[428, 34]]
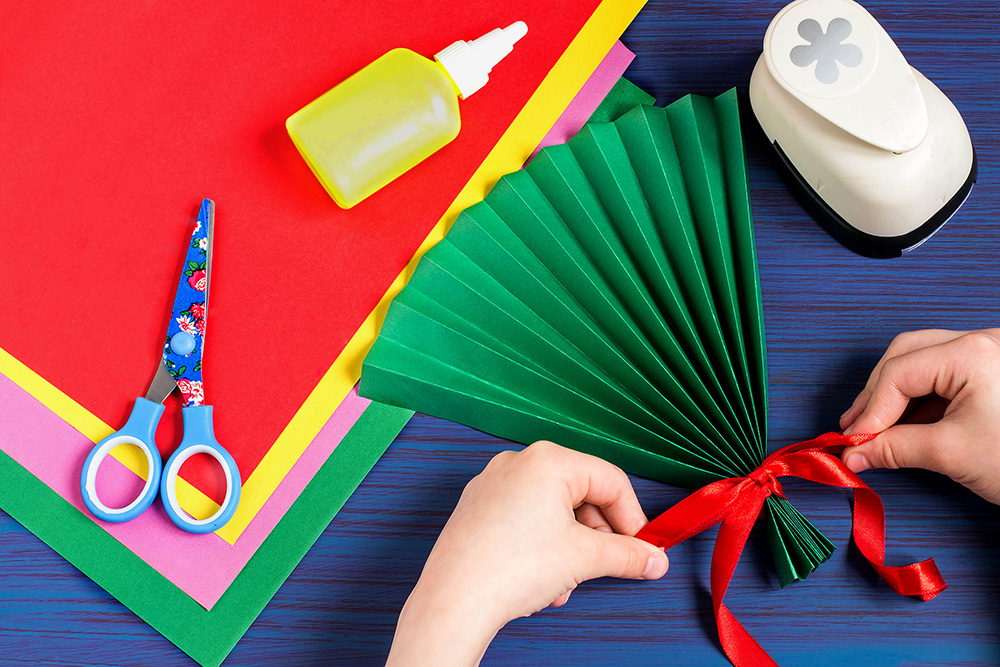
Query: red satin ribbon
[[738, 501]]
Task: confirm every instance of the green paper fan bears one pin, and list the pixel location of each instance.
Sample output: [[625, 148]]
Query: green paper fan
[[605, 297]]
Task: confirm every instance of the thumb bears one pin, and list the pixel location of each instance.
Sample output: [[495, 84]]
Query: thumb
[[901, 446], [613, 555]]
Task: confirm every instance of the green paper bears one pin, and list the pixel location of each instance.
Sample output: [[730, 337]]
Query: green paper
[[605, 297], [206, 636]]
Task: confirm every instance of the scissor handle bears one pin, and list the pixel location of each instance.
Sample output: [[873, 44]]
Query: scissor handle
[[199, 438], [138, 431]]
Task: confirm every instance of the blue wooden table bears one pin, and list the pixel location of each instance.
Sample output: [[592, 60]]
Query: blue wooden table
[[829, 315]]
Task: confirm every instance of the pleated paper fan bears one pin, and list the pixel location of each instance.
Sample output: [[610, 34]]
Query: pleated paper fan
[[605, 297]]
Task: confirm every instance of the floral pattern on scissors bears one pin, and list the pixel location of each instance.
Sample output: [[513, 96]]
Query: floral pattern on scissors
[[197, 276], [192, 320], [187, 323], [192, 388]]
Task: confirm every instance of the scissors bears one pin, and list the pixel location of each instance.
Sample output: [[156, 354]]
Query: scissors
[[179, 368]]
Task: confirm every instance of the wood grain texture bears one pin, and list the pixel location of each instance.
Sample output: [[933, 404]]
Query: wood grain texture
[[829, 316]]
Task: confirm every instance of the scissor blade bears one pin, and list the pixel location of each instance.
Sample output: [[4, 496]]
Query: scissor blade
[[163, 383], [184, 346]]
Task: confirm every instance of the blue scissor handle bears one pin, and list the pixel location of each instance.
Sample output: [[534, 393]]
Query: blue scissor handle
[[199, 438], [138, 431]]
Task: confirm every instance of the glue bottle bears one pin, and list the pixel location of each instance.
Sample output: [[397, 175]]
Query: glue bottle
[[394, 113]]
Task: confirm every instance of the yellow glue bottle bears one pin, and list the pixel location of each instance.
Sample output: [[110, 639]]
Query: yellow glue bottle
[[393, 114]]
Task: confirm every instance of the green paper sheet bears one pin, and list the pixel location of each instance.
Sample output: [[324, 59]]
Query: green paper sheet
[[605, 297], [206, 636]]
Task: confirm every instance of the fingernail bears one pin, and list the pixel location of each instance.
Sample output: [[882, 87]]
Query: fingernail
[[850, 429], [857, 463], [656, 566]]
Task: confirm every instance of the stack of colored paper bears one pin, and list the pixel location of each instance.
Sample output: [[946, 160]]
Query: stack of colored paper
[[136, 132]]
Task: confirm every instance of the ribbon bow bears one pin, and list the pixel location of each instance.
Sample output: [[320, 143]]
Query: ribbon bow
[[737, 502]]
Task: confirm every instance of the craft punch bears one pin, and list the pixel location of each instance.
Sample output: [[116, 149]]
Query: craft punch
[[874, 150]]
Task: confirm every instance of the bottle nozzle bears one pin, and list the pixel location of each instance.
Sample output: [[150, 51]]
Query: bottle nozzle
[[470, 63], [516, 31]]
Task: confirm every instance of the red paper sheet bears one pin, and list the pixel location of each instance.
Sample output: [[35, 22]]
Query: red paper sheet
[[119, 117]]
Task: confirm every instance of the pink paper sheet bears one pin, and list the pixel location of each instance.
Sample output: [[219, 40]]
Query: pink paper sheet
[[204, 566], [590, 96]]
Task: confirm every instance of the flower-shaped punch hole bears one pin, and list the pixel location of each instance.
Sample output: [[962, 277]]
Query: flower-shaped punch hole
[[826, 49]]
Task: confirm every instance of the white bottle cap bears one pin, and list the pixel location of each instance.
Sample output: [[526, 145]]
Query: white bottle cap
[[469, 63]]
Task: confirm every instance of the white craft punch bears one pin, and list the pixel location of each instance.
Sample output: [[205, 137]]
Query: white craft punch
[[875, 151]]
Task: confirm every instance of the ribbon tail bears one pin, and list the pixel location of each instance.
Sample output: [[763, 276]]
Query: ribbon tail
[[921, 579], [740, 647]]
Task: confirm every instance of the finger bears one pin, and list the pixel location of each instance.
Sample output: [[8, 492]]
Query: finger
[[592, 480], [903, 446], [860, 401], [561, 600], [614, 555], [902, 344], [929, 370], [591, 516], [609, 489]]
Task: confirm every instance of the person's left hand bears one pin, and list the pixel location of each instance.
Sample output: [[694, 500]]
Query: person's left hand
[[527, 530]]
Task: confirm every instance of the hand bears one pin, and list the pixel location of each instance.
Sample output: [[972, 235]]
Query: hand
[[934, 400], [527, 530]]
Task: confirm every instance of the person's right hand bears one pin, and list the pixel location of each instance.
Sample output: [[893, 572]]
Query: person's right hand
[[934, 400]]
